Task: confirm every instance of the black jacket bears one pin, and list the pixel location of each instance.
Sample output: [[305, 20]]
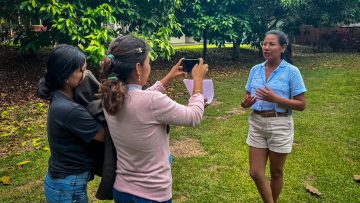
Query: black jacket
[[105, 151]]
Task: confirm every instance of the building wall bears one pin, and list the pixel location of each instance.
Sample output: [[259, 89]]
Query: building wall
[[182, 40]]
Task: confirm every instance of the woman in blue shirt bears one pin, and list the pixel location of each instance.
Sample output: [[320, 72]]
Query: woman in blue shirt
[[274, 88]]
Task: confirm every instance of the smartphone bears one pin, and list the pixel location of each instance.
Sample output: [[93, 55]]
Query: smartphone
[[188, 64]]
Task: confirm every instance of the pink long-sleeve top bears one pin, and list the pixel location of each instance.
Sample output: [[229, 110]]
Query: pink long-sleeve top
[[139, 134]]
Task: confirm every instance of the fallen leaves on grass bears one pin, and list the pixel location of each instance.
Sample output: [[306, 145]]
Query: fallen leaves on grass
[[5, 180], [22, 127], [310, 188], [357, 178], [21, 164]]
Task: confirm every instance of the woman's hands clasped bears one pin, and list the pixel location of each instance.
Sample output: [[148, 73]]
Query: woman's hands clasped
[[266, 94]]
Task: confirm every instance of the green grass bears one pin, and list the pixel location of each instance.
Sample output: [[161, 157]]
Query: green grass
[[326, 152]]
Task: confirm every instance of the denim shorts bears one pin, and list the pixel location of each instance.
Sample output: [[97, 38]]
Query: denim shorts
[[71, 188], [123, 197]]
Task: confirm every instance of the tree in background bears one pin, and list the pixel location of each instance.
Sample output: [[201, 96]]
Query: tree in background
[[218, 21], [324, 12], [8, 17], [288, 15], [89, 24], [265, 15]]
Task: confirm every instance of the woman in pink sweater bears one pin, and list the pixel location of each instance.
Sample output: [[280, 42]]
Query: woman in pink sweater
[[138, 119]]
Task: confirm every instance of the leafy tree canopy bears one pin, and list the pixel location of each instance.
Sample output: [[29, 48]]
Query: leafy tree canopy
[[88, 23]]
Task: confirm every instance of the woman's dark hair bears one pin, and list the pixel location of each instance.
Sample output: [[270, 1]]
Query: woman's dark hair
[[283, 40], [62, 62], [123, 55]]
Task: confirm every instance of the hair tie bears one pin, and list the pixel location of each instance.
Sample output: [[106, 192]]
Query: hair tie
[[113, 77], [139, 50], [110, 56]]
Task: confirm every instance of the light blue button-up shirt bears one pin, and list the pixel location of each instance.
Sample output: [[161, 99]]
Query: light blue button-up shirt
[[286, 81]]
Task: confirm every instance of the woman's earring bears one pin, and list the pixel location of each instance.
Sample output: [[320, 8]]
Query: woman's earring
[[139, 78], [67, 81]]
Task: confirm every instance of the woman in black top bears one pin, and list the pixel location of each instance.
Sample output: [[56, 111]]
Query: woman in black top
[[70, 127]]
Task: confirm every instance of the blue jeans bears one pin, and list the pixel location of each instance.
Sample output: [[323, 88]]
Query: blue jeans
[[71, 188], [122, 197]]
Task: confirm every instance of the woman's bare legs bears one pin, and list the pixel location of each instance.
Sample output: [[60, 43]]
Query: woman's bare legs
[[258, 159], [277, 163]]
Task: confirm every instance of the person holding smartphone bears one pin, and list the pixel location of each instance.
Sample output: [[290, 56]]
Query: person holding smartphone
[[138, 119], [274, 89]]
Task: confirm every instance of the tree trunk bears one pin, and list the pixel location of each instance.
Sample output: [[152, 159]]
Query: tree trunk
[[205, 44], [260, 54], [236, 51]]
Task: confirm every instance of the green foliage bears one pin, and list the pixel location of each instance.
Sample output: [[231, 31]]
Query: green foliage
[[90, 25], [265, 15], [216, 21], [160, 43], [9, 9], [324, 12], [223, 21]]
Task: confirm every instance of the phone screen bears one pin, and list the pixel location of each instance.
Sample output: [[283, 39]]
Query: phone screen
[[188, 64]]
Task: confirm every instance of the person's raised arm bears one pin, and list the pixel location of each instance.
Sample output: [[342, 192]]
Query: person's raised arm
[[167, 111], [175, 72]]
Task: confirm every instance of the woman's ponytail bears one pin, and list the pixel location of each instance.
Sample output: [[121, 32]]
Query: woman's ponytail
[[116, 69], [112, 91], [287, 56], [113, 94], [43, 91]]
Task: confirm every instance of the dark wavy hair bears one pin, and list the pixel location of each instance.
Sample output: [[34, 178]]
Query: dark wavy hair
[[124, 53], [62, 62], [283, 40]]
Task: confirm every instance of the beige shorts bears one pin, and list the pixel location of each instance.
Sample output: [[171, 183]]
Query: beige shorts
[[273, 133]]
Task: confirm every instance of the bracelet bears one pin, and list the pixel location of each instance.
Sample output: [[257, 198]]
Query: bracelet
[[197, 91]]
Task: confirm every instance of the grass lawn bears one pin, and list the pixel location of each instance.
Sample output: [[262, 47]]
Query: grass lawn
[[326, 150]]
